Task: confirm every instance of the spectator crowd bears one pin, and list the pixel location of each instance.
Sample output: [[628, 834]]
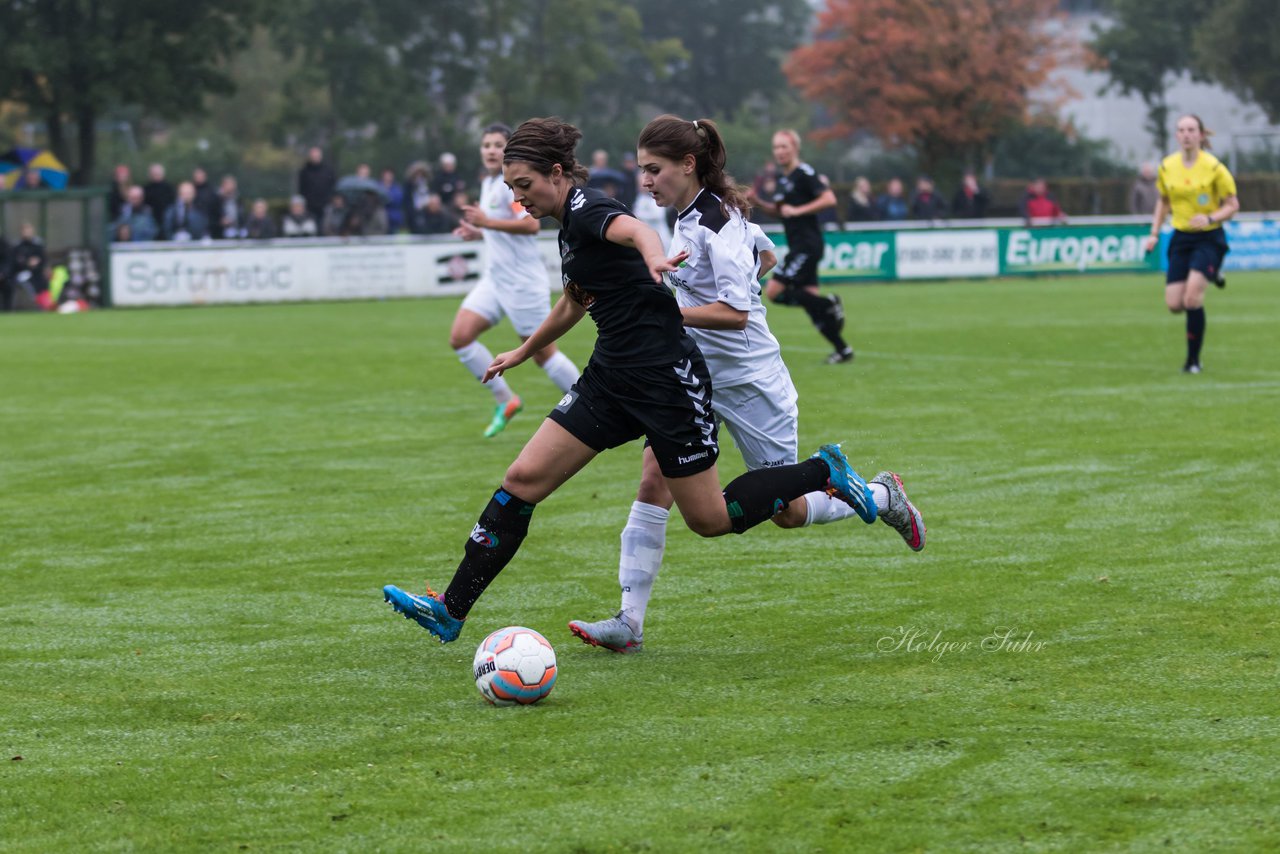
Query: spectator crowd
[[423, 201], [429, 199]]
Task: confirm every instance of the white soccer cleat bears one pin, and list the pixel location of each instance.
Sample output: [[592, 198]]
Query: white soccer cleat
[[901, 514], [614, 633]]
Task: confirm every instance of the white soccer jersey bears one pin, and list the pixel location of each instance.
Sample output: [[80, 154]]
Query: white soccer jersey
[[761, 242], [511, 260], [721, 267]]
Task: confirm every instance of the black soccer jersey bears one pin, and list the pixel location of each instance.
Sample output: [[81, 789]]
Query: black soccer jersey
[[637, 319], [799, 187]]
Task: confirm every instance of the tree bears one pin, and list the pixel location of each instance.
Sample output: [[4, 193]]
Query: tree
[[733, 51], [68, 61], [1144, 48], [401, 67], [1239, 46], [943, 76], [582, 59]]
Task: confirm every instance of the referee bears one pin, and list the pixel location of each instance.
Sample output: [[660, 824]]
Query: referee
[[799, 197], [1201, 193]]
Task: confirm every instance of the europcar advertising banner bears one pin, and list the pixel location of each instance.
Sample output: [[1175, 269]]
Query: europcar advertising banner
[[1076, 249], [851, 256], [943, 253]]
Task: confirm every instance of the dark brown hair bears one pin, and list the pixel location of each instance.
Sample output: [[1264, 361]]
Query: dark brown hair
[[673, 137], [497, 127], [543, 143]]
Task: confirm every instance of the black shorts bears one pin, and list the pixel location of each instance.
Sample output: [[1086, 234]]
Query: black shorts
[[670, 405], [1196, 250], [798, 270]]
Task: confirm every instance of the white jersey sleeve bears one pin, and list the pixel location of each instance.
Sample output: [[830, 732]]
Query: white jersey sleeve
[[760, 239]]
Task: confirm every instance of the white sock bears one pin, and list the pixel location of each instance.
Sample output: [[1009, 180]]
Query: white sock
[[477, 358], [825, 509], [563, 372], [881, 495], [643, 541]]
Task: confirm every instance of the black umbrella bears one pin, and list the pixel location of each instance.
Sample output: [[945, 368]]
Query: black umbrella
[[602, 177], [353, 185]]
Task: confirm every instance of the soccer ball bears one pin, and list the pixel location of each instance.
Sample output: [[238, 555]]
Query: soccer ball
[[515, 665]]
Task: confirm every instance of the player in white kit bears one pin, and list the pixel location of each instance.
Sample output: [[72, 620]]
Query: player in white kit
[[717, 288], [514, 285]]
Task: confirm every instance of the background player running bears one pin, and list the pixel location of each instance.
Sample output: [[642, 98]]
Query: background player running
[[682, 166], [514, 284], [646, 377], [799, 197], [1200, 191]]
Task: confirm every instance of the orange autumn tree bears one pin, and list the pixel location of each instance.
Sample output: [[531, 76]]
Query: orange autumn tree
[[943, 76]]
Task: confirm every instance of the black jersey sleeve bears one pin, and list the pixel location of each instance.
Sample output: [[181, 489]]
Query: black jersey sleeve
[[593, 213], [808, 184]]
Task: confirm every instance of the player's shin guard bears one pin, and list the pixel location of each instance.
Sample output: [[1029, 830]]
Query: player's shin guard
[[757, 495], [493, 543], [644, 539]]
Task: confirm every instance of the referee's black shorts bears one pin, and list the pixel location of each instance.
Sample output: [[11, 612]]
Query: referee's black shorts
[[670, 405], [1196, 250]]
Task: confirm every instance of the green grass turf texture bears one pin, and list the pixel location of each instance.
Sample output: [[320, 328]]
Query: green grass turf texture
[[201, 506]]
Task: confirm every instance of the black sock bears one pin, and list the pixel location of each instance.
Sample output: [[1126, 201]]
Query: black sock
[[1195, 334], [818, 308], [491, 546], [758, 495]]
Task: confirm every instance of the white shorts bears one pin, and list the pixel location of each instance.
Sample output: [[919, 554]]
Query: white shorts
[[763, 419], [527, 305]]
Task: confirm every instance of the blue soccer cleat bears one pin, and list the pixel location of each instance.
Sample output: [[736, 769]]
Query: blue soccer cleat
[[429, 611], [846, 484]]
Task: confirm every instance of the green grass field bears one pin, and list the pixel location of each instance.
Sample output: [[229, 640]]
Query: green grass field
[[201, 506]]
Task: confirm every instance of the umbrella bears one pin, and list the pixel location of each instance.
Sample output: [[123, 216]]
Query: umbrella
[[601, 177], [15, 161], [353, 184]]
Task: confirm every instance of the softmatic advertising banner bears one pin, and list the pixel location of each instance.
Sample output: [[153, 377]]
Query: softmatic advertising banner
[[288, 272], [1076, 249]]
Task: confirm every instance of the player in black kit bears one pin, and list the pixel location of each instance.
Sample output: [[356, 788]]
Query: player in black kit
[[798, 199], [646, 377]]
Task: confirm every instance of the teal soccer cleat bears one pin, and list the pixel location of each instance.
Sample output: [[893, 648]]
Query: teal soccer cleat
[[428, 611], [846, 484]]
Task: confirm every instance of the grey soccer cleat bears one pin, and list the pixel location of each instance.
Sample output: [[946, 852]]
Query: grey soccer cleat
[[901, 514], [614, 633]]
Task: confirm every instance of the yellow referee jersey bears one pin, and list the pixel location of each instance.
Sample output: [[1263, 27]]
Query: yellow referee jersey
[[1198, 190]]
